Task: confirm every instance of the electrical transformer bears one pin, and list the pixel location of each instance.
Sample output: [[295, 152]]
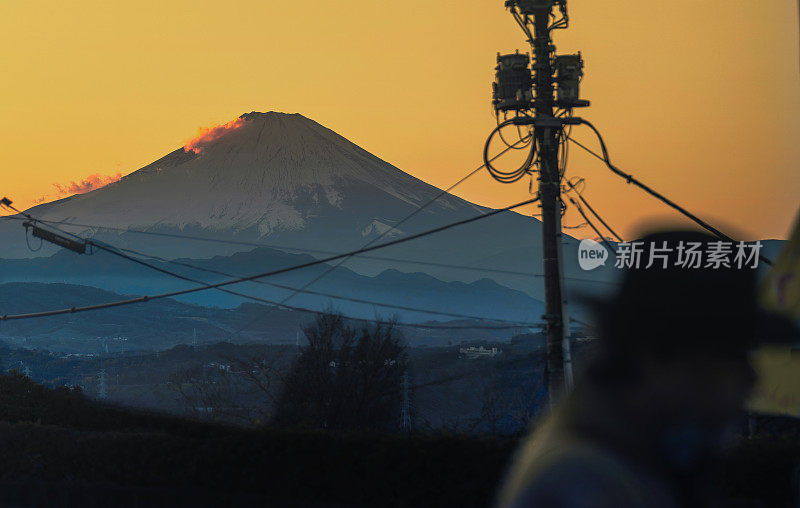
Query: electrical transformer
[[569, 71], [512, 89]]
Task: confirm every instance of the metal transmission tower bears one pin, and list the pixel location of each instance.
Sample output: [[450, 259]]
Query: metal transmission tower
[[405, 410], [101, 390], [531, 99]]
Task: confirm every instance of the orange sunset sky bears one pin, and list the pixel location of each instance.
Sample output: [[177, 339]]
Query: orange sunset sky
[[698, 99]]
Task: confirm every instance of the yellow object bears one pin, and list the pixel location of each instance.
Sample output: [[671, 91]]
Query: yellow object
[[778, 387], [778, 368], [780, 291]]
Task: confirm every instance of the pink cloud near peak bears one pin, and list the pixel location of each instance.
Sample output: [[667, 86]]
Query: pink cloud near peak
[[206, 135], [90, 183]]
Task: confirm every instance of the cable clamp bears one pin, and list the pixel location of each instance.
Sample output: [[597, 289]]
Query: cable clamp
[[550, 319], [572, 120], [546, 121]]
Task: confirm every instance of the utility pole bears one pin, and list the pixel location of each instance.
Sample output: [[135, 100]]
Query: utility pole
[[566, 333], [531, 96], [549, 195]]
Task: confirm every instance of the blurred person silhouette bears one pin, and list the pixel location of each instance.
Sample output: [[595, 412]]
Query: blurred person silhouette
[[664, 393]]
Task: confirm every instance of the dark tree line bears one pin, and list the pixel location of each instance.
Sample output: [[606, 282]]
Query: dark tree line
[[344, 378]]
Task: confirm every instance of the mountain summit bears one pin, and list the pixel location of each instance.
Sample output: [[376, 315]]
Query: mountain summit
[[268, 172]]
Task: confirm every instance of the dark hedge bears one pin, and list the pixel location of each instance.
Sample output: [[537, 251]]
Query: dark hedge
[[59, 448]]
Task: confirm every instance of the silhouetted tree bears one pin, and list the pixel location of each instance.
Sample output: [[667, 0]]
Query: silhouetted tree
[[345, 378], [213, 393], [263, 373]]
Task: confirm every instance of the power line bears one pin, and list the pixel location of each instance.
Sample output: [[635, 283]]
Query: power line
[[513, 175], [277, 246], [328, 295], [344, 259], [265, 274], [519, 132], [302, 309], [296, 249], [116, 251], [415, 212], [583, 200], [630, 179], [599, 234], [300, 249]]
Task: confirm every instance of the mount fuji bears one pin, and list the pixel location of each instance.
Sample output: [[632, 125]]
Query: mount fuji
[[286, 182], [271, 175]]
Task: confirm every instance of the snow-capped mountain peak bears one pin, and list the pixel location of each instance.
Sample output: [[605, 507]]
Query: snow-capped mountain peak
[[263, 172]]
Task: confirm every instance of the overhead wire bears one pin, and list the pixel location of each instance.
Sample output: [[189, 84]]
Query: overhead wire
[[563, 22], [264, 274], [599, 234], [290, 288], [28, 242], [577, 226], [519, 133], [513, 175], [274, 246], [564, 145], [116, 251], [523, 23], [594, 212], [395, 226], [176, 236], [630, 179]]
